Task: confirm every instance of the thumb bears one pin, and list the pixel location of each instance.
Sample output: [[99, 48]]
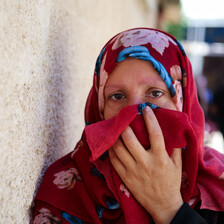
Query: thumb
[[176, 156]]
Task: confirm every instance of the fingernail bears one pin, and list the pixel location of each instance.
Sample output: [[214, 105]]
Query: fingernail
[[147, 108]]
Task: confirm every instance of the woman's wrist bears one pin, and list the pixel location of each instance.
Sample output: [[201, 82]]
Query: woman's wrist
[[166, 215]]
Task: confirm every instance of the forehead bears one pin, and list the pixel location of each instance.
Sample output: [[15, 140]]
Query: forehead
[[136, 69]]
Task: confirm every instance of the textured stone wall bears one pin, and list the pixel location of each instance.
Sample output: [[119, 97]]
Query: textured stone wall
[[48, 50]]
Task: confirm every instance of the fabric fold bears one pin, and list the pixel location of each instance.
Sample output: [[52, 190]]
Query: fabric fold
[[102, 135]]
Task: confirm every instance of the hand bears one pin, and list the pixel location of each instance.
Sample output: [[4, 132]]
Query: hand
[[152, 176]]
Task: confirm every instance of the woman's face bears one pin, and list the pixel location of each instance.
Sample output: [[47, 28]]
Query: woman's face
[[132, 82]]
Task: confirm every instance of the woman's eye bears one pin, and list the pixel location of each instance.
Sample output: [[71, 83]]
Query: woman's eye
[[156, 93], [117, 96]]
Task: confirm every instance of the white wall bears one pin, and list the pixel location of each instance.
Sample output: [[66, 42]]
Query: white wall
[[48, 50]]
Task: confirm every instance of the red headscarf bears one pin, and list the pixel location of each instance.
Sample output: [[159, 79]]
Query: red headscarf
[[84, 187]]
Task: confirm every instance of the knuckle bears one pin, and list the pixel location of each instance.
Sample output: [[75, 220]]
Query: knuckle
[[163, 163], [157, 134], [117, 147]]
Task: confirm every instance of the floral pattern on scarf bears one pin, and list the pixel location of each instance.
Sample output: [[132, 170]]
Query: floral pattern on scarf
[[176, 74], [159, 41], [45, 217], [67, 178], [124, 190], [78, 146], [221, 176]]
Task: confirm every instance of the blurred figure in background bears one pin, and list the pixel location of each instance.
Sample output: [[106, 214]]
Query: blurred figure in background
[[212, 105]]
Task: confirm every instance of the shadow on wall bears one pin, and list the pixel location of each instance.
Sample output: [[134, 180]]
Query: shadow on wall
[[56, 78]]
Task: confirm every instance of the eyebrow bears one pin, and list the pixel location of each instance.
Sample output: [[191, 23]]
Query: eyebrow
[[114, 86]]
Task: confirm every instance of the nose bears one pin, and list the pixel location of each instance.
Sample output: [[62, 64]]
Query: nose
[[136, 98]]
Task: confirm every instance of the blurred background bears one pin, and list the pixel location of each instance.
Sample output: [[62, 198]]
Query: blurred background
[[48, 50], [199, 25]]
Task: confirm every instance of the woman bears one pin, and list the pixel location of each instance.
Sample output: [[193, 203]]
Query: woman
[[141, 158]]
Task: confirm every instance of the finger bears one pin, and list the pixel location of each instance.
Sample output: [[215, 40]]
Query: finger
[[155, 133], [176, 156], [118, 166], [123, 154], [132, 143]]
